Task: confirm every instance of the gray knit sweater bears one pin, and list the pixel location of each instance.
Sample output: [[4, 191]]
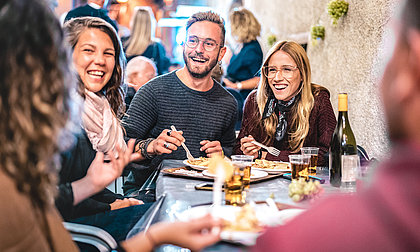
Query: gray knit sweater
[[166, 101]]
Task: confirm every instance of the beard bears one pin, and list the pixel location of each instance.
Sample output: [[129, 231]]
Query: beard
[[196, 73]]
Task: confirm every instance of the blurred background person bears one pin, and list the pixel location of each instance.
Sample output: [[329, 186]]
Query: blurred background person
[[139, 71], [287, 111], [241, 73], [33, 135], [142, 41], [93, 8], [114, 13]]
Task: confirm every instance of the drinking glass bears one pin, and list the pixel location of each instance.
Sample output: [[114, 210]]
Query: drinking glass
[[244, 162], [313, 151], [350, 166], [234, 188], [300, 166]]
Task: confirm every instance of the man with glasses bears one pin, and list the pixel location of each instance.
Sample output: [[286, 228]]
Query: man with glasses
[[202, 111]]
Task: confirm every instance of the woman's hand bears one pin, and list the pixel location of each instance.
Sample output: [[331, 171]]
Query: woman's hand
[[229, 83], [166, 142], [127, 202], [211, 148], [195, 235], [101, 174], [249, 148]]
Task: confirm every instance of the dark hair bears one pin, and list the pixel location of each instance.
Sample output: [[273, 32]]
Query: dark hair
[[114, 93], [34, 88], [411, 13], [211, 17]]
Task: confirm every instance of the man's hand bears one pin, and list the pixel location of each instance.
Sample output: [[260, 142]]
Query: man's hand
[[166, 142], [249, 148], [211, 148]]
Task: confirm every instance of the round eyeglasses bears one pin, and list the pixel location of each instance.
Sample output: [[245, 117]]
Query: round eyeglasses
[[208, 44], [286, 71]]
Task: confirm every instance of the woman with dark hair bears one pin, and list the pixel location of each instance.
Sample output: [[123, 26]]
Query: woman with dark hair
[[287, 111], [34, 97], [99, 63]]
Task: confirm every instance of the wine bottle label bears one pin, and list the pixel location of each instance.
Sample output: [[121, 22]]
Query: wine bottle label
[[342, 102], [349, 167]]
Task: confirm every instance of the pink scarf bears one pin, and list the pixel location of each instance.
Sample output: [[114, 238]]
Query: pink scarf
[[101, 125]]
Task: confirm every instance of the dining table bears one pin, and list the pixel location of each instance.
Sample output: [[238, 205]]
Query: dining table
[[176, 194]]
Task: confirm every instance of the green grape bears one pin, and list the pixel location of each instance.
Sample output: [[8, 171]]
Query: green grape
[[300, 189], [297, 198], [337, 9], [271, 39]]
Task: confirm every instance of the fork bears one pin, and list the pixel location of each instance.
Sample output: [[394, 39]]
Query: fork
[[273, 151], [189, 156]]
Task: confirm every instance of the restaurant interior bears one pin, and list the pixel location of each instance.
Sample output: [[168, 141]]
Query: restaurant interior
[[169, 158]]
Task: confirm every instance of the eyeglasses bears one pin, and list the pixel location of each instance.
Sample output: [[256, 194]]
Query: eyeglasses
[[208, 44], [286, 71]]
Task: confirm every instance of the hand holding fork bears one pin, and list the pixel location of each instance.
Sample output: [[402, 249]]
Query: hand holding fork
[[250, 147]]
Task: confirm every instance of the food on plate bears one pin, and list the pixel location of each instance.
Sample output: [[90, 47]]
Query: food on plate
[[245, 220], [202, 161], [272, 165], [188, 173]]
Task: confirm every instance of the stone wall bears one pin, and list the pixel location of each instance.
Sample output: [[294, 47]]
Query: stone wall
[[348, 60]]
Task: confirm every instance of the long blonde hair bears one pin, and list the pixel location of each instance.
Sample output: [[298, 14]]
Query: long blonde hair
[[244, 26], [300, 111], [141, 31]]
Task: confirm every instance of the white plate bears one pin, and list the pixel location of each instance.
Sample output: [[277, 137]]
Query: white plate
[[254, 174], [197, 167], [264, 214], [274, 171]]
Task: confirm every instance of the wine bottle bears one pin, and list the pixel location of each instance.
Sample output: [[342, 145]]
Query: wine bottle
[[343, 159]]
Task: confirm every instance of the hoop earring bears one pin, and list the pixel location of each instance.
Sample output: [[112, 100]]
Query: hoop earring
[[220, 67]]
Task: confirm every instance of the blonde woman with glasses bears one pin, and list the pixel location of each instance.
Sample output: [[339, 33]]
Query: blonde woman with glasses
[[287, 111]]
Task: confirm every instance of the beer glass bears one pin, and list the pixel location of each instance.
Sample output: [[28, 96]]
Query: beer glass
[[234, 188], [300, 166], [244, 162], [313, 151]]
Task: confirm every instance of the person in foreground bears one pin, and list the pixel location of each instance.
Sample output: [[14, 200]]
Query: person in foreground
[[287, 111], [35, 84], [385, 216], [202, 111]]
